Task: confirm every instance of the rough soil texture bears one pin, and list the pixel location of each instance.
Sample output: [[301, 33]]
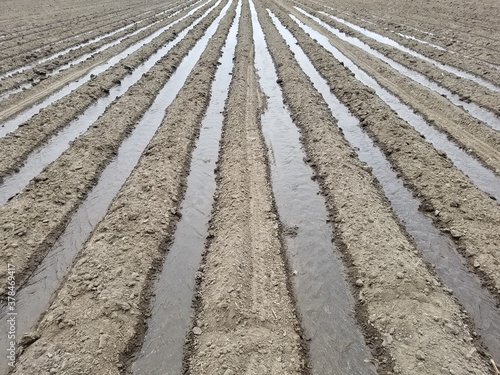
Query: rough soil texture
[[246, 318], [32, 221], [30, 37], [471, 134], [457, 206], [33, 76], [245, 321], [374, 244], [17, 145], [466, 89], [116, 269], [19, 101], [468, 32]]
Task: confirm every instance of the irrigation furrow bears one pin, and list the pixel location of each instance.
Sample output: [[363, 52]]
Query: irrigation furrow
[[245, 320], [474, 110], [47, 203], [444, 75], [324, 298], [16, 146], [485, 179], [31, 51], [401, 306], [51, 65], [171, 309], [474, 136], [474, 80], [457, 206], [435, 247], [47, 153], [54, 88], [122, 263], [480, 46]]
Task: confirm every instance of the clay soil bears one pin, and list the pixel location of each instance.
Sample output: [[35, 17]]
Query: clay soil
[[245, 318]]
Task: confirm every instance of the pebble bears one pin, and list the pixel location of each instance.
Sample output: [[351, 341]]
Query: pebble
[[197, 330], [359, 282]]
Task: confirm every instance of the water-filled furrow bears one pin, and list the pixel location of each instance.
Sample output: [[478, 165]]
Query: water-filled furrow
[[108, 20], [325, 303], [435, 248], [421, 41], [62, 51], [482, 114], [84, 56], [12, 124], [390, 42], [65, 51], [485, 179], [49, 152], [171, 309], [33, 298]]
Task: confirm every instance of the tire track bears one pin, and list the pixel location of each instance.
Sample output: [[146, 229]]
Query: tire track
[[397, 316], [244, 279], [41, 212], [130, 260]]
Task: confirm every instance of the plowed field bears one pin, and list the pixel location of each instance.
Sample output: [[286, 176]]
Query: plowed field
[[249, 187]]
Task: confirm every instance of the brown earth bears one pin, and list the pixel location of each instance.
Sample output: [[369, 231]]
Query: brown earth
[[245, 320], [373, 242], [469, 30], [126, 249], [41, 211], [17, 145]]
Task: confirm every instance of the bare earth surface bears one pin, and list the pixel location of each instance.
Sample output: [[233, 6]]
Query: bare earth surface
[[85, 86]]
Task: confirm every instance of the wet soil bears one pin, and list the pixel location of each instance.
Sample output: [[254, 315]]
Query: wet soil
[[468, 32], [245, 320], [32, 221], [385, 269], [412, 292], [114, 272]]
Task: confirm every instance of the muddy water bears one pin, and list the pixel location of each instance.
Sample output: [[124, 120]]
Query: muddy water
[[34, 297], [485, 179], [392, 43], [473, 109], [12, 124], [322, 292], [162, 349], [49, 152], [436, 249]]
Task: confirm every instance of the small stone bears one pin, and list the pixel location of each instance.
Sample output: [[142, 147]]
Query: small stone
[[476, 263], [197, 330], [103, 340], [400, 275], [420, 355], [359, 282]]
